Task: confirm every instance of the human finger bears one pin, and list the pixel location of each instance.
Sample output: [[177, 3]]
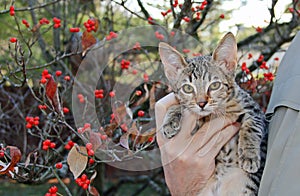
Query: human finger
[[161, 107], [212, 148], [210, 128]]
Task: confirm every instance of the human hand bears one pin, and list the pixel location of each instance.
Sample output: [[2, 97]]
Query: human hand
[[189, 161]]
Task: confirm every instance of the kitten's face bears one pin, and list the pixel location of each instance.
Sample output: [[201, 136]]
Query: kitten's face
[[202, 84], [203, 87]]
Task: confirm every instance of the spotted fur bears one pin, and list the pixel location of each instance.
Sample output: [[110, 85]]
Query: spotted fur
[[206, 86]]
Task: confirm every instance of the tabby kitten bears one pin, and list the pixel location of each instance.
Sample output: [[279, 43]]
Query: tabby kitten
[[206, 86]]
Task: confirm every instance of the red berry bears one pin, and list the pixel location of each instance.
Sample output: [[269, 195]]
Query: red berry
[[186, 19], [58, 73], [112, 93], [56, 20], [47, 142], [67, 78], [91, 161], [43, 80], [56, 26], [87, 182], [89, 146], [1, 154], [104, 137], [185, 50], [58, 165], [146, 77], [66, 110], [44, 147], [28, 126], [83, 177], [12, 10], [53, 189], [13, 40], [36, 122], [141, 113], [150, 139], [134, 71], [259, 30], [68, 147], [222, 16], [52, 145], [138, 93], [85, 186], [91, 153], [71, 143]]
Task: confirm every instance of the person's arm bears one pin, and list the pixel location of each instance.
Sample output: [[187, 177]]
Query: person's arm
[[189, 161]]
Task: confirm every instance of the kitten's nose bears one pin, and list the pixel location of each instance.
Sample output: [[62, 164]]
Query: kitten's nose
[[202, 104]]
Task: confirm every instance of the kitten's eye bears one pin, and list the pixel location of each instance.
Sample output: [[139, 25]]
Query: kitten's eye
[[214, 85], [187, 88]]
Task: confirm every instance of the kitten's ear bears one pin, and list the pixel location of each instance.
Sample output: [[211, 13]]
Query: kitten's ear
[[226, 52], [173, 61]]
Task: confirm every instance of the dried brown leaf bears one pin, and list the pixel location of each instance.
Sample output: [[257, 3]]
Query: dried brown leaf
[[77, 161]]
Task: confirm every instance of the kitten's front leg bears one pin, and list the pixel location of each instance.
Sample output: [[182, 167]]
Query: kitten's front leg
[[250, 138], [172, 121]]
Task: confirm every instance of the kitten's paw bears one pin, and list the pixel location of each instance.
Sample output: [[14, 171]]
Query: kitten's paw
[[249, 160], [171, 129]]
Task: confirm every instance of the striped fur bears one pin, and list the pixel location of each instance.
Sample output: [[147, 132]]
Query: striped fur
[[240, 163]]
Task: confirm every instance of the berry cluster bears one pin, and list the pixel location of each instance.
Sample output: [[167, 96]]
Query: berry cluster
[[44, 21], [125, 64], [25, 22], [159, 36], [45, 75], [86, 126], [56, 22], [69, 145], [89, 148], [99, 93], [90, 25], [48, 144], [137, 46], [83, 181], [74, 29], [52, 191], [81, 98], [42, 107], [111, 35], [32, 121], [264, 65], [186, 19], [260, 59], [269, 76], [245, 68], [12, 10]]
